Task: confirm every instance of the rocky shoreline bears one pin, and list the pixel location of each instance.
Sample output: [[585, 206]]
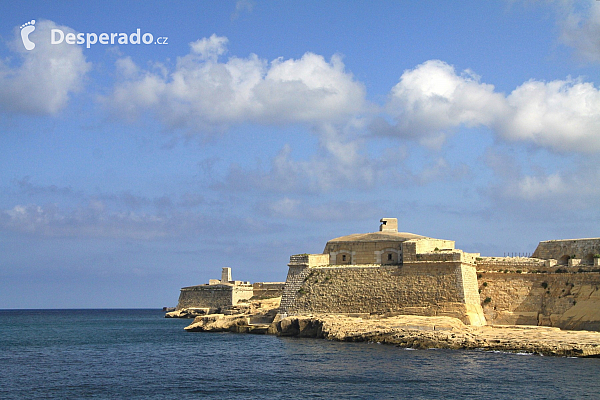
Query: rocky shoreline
[[417, 332], [408, 331]]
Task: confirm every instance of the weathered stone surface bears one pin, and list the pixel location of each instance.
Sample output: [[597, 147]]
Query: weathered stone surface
[[442, 332], [564, 300], [584, 250], [403, 330], [213, 296], [255, 318], [190, 312], [217, 323], [422, 288]]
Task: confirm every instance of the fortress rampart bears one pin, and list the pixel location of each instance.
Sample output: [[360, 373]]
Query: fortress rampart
[[224, 292], [586, 251], [213, 296], [436, 290], [564, 300], [385, 272], [512, 264], [557, 286]]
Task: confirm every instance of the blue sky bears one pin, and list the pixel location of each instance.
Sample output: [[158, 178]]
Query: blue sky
[[263, 129]]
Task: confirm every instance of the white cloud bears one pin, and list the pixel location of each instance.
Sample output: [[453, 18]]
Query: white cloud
[[203, 94], [339, 163], [290, 208], [560, 115], [47, 76], [91, 221], [210, 48], [97, 219], [538, 187], [242, 6], [581, 30], [432, 99], [522, 184]]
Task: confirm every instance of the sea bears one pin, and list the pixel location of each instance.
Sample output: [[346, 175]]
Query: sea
[[138, 354]]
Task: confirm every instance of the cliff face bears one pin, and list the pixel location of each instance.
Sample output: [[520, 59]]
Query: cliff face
[[564, 300]]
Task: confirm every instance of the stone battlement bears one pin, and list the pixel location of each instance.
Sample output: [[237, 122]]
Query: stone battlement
[[309, 260]]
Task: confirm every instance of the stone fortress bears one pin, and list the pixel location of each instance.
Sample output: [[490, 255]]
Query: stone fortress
[[385, 272], [393, 273], [221, 294]]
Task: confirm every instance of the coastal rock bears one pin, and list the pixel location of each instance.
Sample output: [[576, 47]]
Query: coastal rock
[[253, 318], [189, 312], [217, 323], [409, 331], [441, 332]]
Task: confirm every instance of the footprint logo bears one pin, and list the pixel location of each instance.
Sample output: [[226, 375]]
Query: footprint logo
[[26, 29]]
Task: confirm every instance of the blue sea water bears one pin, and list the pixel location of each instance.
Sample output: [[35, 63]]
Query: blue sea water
[[138, 354]]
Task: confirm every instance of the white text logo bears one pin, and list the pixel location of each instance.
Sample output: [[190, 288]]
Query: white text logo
[[57, 36]]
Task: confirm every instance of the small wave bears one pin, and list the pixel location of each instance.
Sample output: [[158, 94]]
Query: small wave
[[510, 352]]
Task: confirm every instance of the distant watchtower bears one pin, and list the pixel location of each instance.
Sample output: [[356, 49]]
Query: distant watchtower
[[388, 225], [226, 275]]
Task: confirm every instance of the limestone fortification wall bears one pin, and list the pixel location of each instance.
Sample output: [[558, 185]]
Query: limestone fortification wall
[[562, 250], [419, 288], [213, 296], [263, 290], [511, 264], [537, 265], [426, 246], [564, 300]]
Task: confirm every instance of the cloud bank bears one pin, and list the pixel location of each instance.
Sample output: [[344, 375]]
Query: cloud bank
[[432, 99], [203, 94]]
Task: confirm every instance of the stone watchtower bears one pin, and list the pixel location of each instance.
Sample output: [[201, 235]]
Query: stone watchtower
[[226, 275], [388, 225]]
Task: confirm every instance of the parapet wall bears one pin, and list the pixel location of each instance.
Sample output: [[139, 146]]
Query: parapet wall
[[564, 300], [426, 245], [537, 265], [262, 290], [511, 264], [309, 260], [420, 289]]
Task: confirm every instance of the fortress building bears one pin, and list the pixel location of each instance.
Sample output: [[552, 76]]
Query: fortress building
[[225, 292], [570, 252], [385, 272], [390, 273]]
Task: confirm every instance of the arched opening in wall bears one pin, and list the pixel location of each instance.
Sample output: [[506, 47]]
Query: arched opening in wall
[[564, 260], [589, 259]]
